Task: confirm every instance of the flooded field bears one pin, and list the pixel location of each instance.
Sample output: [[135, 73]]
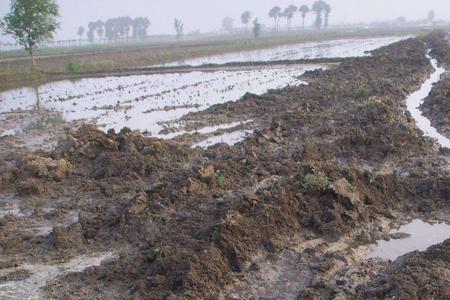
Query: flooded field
[[326, 49], [145, 102]]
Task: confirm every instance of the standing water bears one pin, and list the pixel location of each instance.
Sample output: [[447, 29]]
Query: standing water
[[310, 50], [415, 100], [421, 235], [145, 102]]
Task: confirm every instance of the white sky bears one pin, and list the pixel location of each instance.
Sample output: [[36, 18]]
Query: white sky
[[206, 15]]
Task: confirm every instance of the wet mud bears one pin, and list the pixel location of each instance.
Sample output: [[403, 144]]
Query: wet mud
[[290, 211]]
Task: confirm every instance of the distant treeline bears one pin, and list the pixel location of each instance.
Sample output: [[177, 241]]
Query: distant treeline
[[116, 29], [319, 8]]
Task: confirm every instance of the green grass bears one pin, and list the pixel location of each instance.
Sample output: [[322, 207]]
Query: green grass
[[220, 179], [73, 67]]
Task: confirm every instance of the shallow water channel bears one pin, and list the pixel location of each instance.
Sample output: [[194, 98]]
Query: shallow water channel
[[421, 234], [415, 100]]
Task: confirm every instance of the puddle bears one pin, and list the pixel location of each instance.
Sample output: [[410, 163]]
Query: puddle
[[228, 138], [326, 49], [30, 288], [415, 100], [422, 235], [144, 102]]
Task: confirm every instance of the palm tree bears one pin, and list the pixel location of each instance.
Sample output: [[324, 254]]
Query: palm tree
[[289, 14], [304, 9], [317, 8], [256, 28], [179, 27], [245, 18], [327, 9], [275, 14]]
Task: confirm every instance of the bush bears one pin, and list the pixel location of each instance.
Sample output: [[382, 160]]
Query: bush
[[73, 67], [316, 181], [361, 92]]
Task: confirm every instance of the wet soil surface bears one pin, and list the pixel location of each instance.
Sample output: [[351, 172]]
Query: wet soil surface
[[291, 211]]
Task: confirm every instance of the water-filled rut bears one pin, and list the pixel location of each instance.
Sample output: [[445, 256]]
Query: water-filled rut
[[414, 101]]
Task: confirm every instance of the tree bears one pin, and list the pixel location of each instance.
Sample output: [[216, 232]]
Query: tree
[[100, 28], [327, 10], [245, 18], [318, 8], [304, 9], [227, 24], [179, 27], [140, 26], [80, 31], [274, 13], [431, 16], [32, 22], [90, 34], [256, 28], [117, 28], [125, 26], [289, 14], [111, 29]]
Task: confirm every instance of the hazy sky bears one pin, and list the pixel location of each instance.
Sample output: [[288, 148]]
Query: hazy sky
[[206, 15]]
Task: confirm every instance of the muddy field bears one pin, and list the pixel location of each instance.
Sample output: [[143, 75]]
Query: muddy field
[[319, 183]]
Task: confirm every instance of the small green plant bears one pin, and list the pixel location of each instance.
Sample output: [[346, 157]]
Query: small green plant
[[371, 102], [371, 177], [73, 67], [361, 92], [156, 254], [220, 178], [315, 181]]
